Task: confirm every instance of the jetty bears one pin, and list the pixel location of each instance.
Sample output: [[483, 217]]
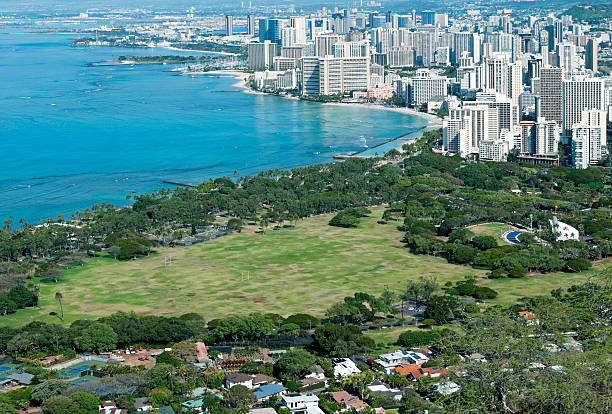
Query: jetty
[[359, 154]]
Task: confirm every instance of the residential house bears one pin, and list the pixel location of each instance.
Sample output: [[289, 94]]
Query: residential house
[[378, 388], [447, 388], [350, 401], [395, 359], [302, 403], [239, 379], [20, 378], [142, 405], [109, 407], [193, 405], [344, 367], [266, 410], [260, 379], [316, 372], [266, 391], [414, 371]]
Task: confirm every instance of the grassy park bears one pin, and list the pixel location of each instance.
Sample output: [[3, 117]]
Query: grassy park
[[492, 229], [301, 269]]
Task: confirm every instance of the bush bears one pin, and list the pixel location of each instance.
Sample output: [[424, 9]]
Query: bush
[[344, 220], [484, 242], [475, 291], [427, 323]]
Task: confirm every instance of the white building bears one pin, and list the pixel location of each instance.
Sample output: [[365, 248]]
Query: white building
[[563, 230], [426, 85], [331, 75], [392, 360], [580, 93], [261, 55], [494, 150], [301, 403], [344, 367]]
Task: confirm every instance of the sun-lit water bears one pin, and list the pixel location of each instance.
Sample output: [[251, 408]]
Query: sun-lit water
[[72, 136]]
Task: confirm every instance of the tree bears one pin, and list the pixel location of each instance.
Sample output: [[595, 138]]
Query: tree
[[441, 308], [294, 364], [240, 397], [48, 389], [97, 337], [234, 224], [461, 236], [58, 297], [484, 242], [62, 405], [22, 297], [88, 402]]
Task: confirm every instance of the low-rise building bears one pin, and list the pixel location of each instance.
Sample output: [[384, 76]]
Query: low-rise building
[[301, 403], [395, 359], [344, 367], [350, 402]]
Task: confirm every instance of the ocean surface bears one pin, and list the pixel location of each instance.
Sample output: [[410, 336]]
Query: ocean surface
[[72, 136]]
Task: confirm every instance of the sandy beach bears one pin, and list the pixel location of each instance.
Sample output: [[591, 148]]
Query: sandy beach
[[200, 51], [241, 77]]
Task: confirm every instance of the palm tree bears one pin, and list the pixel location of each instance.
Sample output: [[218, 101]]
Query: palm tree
[[58, 297]]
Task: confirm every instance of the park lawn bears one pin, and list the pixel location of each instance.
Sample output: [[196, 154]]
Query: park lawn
[[301, 269], [492, 229]]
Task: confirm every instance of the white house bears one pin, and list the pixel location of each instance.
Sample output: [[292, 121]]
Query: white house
[[302, 403], [239, 379], [393, 360], [344, 367]]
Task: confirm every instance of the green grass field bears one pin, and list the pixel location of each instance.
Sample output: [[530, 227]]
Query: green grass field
[[301, 269], [492, 229]]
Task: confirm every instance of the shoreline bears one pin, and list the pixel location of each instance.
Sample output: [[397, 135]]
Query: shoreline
[[212, 52], [433, 121]]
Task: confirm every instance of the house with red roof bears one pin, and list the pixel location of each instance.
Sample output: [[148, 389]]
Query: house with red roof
[[349, 401]]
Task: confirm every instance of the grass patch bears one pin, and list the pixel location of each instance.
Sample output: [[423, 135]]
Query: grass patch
[[301, 269], [492, 229]]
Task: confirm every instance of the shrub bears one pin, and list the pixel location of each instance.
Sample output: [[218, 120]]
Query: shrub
[[577, 265]]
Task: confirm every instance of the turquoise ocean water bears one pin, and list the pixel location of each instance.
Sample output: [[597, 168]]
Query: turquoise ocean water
[[72, 136]]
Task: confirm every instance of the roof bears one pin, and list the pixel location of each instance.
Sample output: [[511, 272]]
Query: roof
[[196, 403], [268, 390], [527, 315], [435, 370], [166, 410], [301, 398], [23, 378], [262, 379], [266, 410], [239, 377], [411, 370], [349, 400]]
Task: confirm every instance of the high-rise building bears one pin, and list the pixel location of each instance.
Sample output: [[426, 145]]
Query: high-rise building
[[271, 29], [466, 42], [590, 54], [299, 24], [428, 18], [261, 55], [331, 75], [229, 25], [579, 94], [351, 49], [480, 123], [551, 94], [426, 85], [251, 25], [540, 137], [324, 44], [589, 139]]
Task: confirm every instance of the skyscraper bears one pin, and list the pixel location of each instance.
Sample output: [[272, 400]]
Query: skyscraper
[[551, 94], [271, 29], [229, 25], [590, 54], [251, 25], [579, 94]]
